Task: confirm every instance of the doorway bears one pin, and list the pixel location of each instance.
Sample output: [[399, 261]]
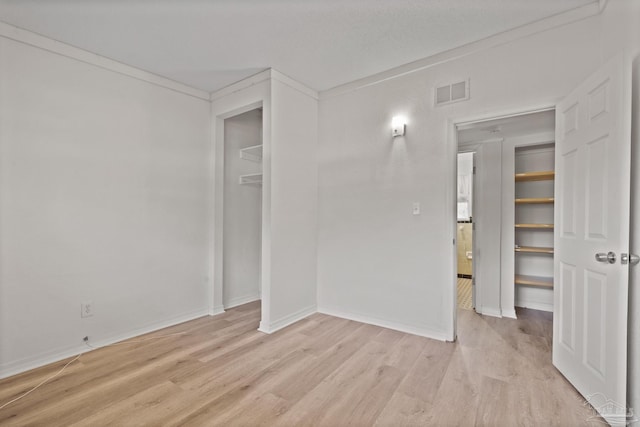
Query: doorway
[[511, 240], [242, 217], [465, 231]]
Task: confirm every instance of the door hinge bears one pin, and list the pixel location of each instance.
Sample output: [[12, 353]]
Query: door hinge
[[454, 242], [474, 170]]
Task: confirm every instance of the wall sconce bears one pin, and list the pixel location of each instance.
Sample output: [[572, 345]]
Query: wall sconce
[[398, 125]]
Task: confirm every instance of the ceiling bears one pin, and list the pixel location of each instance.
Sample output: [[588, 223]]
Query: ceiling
[[209, 44]]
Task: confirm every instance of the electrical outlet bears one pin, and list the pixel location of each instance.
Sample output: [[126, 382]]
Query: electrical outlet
[[86, 309]]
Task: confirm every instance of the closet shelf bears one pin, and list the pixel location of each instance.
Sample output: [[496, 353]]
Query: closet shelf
[[535, 176], [533, 200], [544, 282], [254, 178], [253, 153], [534, 250], [535, 226]]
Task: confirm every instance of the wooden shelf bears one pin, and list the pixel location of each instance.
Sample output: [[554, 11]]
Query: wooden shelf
[[534, 200], [543, 282], [254, 178], [534, 250], [253, 153], [535, 176], [535, 226]]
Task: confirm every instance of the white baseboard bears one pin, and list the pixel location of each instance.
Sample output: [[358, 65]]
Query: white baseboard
[[510, 313], [493, 312], [234, 302], [414, 330], [534, 305], [37, 361], [287, 320], [218, 309]]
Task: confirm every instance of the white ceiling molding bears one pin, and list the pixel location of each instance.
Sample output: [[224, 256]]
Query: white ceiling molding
[[241, 85], [32, 39], [523, 31], [322, 44], [259, 78], [294, 84]]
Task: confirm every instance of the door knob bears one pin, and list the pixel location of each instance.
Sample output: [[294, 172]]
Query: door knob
[[632, 259], [609, 257]]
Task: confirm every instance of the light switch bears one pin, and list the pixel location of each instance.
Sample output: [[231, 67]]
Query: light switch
[[416, 208]]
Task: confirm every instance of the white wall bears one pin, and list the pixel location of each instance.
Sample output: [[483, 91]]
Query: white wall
[[294, 204], [102, 178], [242, 212], [375, 260]]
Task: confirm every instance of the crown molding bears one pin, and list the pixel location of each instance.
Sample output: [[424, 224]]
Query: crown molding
[[36, 40], [558, 20], [269, 74], [241, 85]]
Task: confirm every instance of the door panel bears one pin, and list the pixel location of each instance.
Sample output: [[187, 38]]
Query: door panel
[[593, 126]]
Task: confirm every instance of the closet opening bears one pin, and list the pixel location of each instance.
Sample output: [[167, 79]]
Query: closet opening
[[242, 215], [511, 212]]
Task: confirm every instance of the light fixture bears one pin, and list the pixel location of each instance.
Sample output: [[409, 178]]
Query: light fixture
[[398, 125]]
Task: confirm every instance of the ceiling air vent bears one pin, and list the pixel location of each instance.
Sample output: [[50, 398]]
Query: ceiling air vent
[[452, 93]]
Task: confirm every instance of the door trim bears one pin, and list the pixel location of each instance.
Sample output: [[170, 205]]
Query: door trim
[[453, 125]]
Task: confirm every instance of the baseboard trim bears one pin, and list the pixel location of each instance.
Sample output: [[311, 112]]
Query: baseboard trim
[[287, 320], [234, 302], [542, 306], [409, 329], [218, 309], [493, 312], [511, 313], [17, 367]]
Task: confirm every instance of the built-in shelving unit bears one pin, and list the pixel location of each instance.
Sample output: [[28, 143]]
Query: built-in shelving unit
[[535, 226], [254, 178], [532, 217], [535, 176], [534, 200], [534, 250], [544, 282], [253, 153]]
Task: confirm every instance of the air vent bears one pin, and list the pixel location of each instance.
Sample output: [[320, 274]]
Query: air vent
[[452, 93]]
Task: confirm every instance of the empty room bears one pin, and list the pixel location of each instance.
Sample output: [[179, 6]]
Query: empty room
[[287, 213]]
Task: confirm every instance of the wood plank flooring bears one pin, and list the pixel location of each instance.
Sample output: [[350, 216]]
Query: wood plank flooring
[[321, 371]]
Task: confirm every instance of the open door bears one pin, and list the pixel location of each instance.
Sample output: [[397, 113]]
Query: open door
[[593, 141]]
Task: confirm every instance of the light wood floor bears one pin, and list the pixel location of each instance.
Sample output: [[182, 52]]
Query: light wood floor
[[319, 371]]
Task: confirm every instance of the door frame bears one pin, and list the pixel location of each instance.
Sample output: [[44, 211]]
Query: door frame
[[226, 106], [453, 146]]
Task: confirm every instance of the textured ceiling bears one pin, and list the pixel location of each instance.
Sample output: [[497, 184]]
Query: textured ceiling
[[209, 44]]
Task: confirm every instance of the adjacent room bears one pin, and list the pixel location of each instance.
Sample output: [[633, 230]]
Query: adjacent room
[[319, 213]]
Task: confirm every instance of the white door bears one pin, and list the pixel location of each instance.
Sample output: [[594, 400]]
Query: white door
[[593, 137]]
